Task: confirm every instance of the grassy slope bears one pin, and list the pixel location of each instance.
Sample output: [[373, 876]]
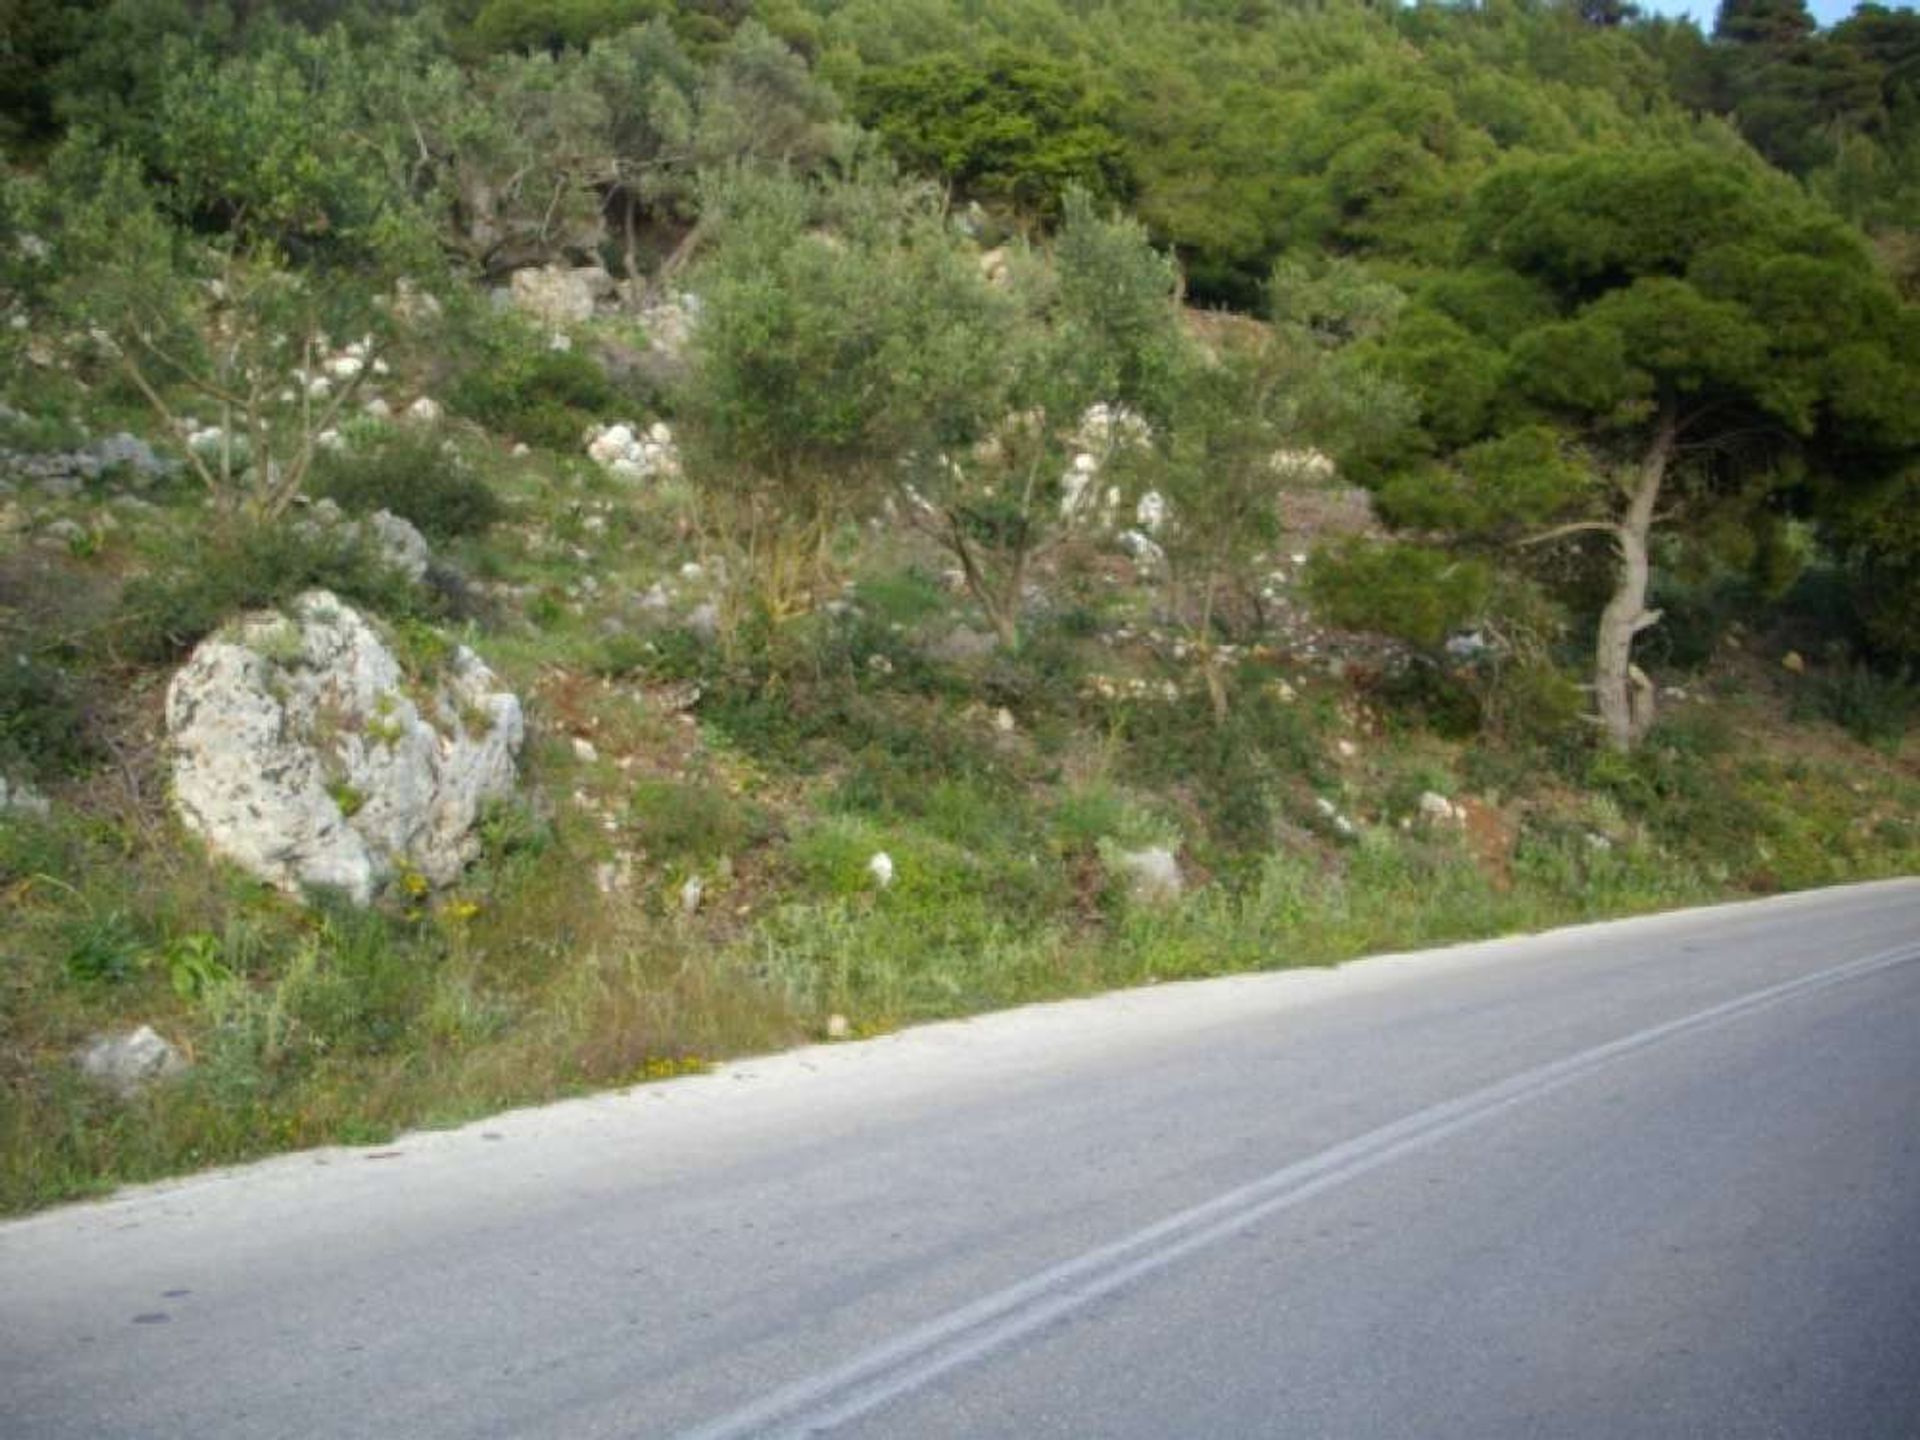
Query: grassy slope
[[772, 769]]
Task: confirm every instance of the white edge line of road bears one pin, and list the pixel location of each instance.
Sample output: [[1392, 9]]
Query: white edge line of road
[[971, 1332], [1165, 1005]]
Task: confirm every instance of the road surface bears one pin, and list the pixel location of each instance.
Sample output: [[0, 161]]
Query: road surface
[[1653, 1178]]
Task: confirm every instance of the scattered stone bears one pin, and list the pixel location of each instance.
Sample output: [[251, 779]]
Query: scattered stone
[[63, 534], [1439, 810], [880, 867], [128, 1062], [1003, 721], [1144, 550], [621, 449], [1346, 749], [583, 750], [960, 645], [1793, 662], [1331, 814], [879, 664], [1151, 512], [298, 753], [615, 875], [559, 295], [1302, 465], [22, 798], [839, 1027], [704, 621], [1152, 875], [669, 323], [400, 545], [691, 894], [393, 537], [426, 411]]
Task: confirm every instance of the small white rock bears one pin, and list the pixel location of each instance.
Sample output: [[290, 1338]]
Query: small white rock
[[583, 750], [880, 867], [128, 1062]]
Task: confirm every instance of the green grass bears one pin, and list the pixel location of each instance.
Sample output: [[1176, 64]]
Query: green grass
[[812, 744]]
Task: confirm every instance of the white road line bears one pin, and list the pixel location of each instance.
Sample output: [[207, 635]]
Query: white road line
[[887, 1372]]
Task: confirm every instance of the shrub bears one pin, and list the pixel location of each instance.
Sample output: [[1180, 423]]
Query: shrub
[[1875, 707], [193, 591], [544, 397], [102, 948], [42, 718], [413, 476], [1417, 594], [695, 822]]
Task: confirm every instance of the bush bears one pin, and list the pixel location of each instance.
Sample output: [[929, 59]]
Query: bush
[[1874, 707], [695, 822], [413, 476], [544, 397], [250, 567], [1417, 594], [43, 726]]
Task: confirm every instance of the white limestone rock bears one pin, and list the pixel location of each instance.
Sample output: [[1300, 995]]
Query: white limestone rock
[[1152, 874], [22, 798], [557, 296], [400, 544], [625, 450], [128, 1062], [299, 754]]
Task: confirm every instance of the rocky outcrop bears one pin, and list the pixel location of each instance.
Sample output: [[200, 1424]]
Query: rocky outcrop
[[301, 753], [392, 537], [66, 475], [560, 296]]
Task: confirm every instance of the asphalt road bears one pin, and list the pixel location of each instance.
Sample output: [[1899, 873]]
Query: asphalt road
[[1656, 1178]]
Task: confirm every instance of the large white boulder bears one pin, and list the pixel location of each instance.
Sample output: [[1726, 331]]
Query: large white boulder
[[301, 752]]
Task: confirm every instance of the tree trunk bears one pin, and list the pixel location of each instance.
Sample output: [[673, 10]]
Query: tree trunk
[[1623, 695]]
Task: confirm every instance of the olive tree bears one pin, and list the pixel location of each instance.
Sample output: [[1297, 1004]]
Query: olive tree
[[222, 325], [839, 329], [1091, 324]]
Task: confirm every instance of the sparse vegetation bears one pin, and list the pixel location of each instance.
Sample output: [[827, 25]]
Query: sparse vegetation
[[942, 533]]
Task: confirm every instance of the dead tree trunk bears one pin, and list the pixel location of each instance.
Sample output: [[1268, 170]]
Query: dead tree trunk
[[1623, 695]]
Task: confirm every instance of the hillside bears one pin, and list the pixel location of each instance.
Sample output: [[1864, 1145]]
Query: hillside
[[545, 544]]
